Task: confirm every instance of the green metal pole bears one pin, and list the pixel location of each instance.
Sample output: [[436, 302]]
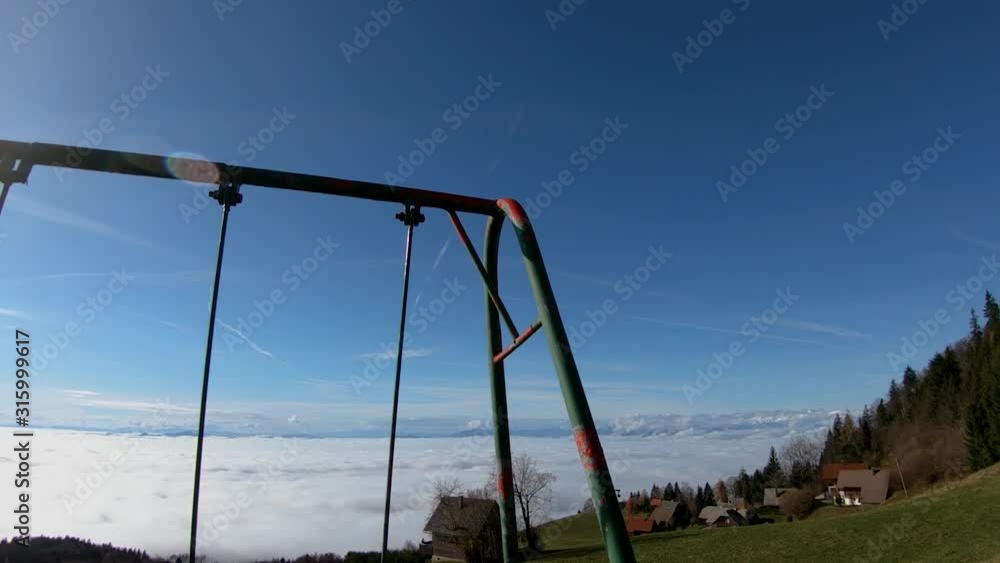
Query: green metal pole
[[498, 388], [602, 489]]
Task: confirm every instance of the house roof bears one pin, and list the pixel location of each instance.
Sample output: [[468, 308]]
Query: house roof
[[771, 496], [830, 471], [874, 484], [639, 524], [457, 516], [665, 511], [712, 514]]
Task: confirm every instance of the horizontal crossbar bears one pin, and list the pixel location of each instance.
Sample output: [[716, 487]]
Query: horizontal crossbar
[[195, 170]]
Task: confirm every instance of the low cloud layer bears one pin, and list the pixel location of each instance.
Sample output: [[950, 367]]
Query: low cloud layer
[[266, 497]]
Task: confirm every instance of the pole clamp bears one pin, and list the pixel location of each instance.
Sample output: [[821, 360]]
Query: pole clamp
[[228, 193], [411, 216], [14, 170]]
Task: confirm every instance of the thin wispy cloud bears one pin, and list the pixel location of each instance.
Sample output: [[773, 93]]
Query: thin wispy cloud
[[493, 166], [962, 236], [440, 254], [407, 353], [724, 330], [606, 283], [824, 329], [253, 345], [515, 121], [318, 385], [586, 278], [80, 393], [12, 313], [170, 324], [168, 278], [61, 217]]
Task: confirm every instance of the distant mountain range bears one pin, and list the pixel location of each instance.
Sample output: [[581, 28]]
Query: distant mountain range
[[730, 425]]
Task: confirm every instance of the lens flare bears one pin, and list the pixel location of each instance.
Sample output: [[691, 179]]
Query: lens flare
[[192, 168]]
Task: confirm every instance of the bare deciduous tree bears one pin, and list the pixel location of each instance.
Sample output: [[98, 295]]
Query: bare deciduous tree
[[532, 493], [800, 458], [487, 491], [441, 488]]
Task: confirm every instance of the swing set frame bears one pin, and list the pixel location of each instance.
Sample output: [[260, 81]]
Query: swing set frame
[[17, 159]]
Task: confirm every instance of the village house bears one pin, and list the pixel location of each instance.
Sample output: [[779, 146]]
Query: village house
[[668, 515], [861, 486], [722, 517], [465, 529], [671, 514], [772, 496], [830, 471]]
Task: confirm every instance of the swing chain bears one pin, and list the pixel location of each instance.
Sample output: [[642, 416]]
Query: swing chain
[[228, 193], [411, 215]]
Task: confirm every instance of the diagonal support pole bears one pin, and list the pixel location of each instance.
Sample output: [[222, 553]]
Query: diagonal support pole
[[491, 287]]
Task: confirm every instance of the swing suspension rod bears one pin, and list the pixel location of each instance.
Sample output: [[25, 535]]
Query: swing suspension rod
[[17, 160]]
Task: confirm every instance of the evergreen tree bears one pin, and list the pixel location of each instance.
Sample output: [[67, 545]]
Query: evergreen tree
[[866, 431], [975, 331], [850, 440], [699, 500], [743, 488], [773, 475], [882, 416], [909, 392], [757, 486], [895, 400], [709, 496]]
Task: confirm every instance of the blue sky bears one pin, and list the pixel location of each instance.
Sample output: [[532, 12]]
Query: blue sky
[[210, 82]]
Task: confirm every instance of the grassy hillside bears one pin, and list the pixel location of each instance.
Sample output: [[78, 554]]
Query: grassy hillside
[[958, 521]]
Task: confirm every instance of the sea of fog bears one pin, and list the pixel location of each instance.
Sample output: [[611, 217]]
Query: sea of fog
[[265, 497]]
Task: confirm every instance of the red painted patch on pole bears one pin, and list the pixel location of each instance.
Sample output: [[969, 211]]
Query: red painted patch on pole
[[504, 472], [591, 454], [514, 211]]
